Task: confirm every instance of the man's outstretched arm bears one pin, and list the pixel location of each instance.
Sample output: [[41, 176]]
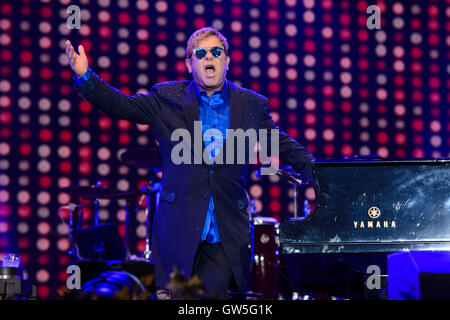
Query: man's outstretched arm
[[140, 108]]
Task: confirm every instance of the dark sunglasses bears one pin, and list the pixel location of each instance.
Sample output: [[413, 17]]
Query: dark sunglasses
[[200, 53]]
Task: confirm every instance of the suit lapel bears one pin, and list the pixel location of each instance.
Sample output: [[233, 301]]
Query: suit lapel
[[190, 107], [236, 106], [190, 110], [236, 113]]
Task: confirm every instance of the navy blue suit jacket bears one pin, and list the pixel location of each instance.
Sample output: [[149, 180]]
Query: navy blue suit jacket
[[187, 188]]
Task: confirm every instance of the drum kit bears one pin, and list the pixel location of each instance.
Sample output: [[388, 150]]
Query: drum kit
[[265, 250], [141, 158]]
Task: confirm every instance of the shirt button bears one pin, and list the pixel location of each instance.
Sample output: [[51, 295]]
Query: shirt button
[[211, 172]]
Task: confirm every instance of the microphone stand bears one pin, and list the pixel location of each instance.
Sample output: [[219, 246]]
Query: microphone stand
[[96, 205], [150, 208], [290, 177], [72, 229]]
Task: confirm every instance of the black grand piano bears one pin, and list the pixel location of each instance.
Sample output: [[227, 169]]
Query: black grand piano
[[365, 209]]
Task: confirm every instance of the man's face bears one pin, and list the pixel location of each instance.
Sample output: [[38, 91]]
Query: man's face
[[209, 73]]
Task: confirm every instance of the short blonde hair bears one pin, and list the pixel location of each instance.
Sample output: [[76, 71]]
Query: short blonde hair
[[201, 34]]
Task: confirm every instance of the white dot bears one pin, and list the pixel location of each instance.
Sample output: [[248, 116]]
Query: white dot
[[103, 169], [44, 166], [291, 103], [4, 180], [43, 198], [43, 228], [218, 24], [43, 244], [22, 227], [64, 152], [364, 151], [255, 57], [24, 103], [380, 36], [44, 151], [104, 62], [84, 137], [62, 229], [256, 191], [44, 120], [64, 121], [103, 153], [141, 231], [64, 105], [121, 215], [254, 42], [24, 87], [63, 244], [161, 6], [42, 275], [123, 33], [123, 48], [43, 212]]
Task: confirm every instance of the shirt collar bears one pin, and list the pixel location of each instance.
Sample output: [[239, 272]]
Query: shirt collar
[[224, 90]]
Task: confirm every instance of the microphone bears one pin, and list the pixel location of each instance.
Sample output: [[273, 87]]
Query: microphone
[[291, 177]]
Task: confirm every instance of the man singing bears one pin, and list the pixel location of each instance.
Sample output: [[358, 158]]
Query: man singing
[[201, 224]]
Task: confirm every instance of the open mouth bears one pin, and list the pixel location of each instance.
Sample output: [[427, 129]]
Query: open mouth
[[210, 70]]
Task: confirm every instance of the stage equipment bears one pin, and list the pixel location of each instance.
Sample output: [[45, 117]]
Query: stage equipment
[[364, 211]]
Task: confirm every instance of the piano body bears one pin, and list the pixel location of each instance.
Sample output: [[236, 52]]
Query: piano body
[[365, 209]]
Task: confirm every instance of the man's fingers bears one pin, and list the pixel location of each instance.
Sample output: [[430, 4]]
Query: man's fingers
[[81, 50], [70, 53]]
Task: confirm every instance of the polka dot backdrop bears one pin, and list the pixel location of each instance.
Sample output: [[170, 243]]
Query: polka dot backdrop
[[333, 84]]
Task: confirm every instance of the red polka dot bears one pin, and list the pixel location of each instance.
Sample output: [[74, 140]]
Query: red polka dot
[[124, 18], [346, 150], [273, 29], [382, 137], [43, 291], [124, 139], [46, 12], [65, 167], [45, 181], [143, 20], [199, 23], [328, 149], [104, 32], [25, 149], [65, 136], [85, 168], [143, 49], [275, 191], [181, 7], [26, 56], [275, 206]]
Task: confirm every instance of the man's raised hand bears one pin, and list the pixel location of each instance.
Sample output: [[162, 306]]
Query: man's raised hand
[[78, 62]]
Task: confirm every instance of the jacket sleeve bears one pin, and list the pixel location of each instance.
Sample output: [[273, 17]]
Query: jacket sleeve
[[291, 152], [140, 108]]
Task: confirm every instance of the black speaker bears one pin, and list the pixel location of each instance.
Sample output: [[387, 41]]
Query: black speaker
[[99, 243]]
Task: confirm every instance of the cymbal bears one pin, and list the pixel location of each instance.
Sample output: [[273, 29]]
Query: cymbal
[[99, 192], [142, 158]]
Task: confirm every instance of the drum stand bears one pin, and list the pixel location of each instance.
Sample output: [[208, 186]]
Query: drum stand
[[150, 207], [149, 191]]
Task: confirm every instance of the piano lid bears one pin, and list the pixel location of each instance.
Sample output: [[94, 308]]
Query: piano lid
[[374, 206]]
